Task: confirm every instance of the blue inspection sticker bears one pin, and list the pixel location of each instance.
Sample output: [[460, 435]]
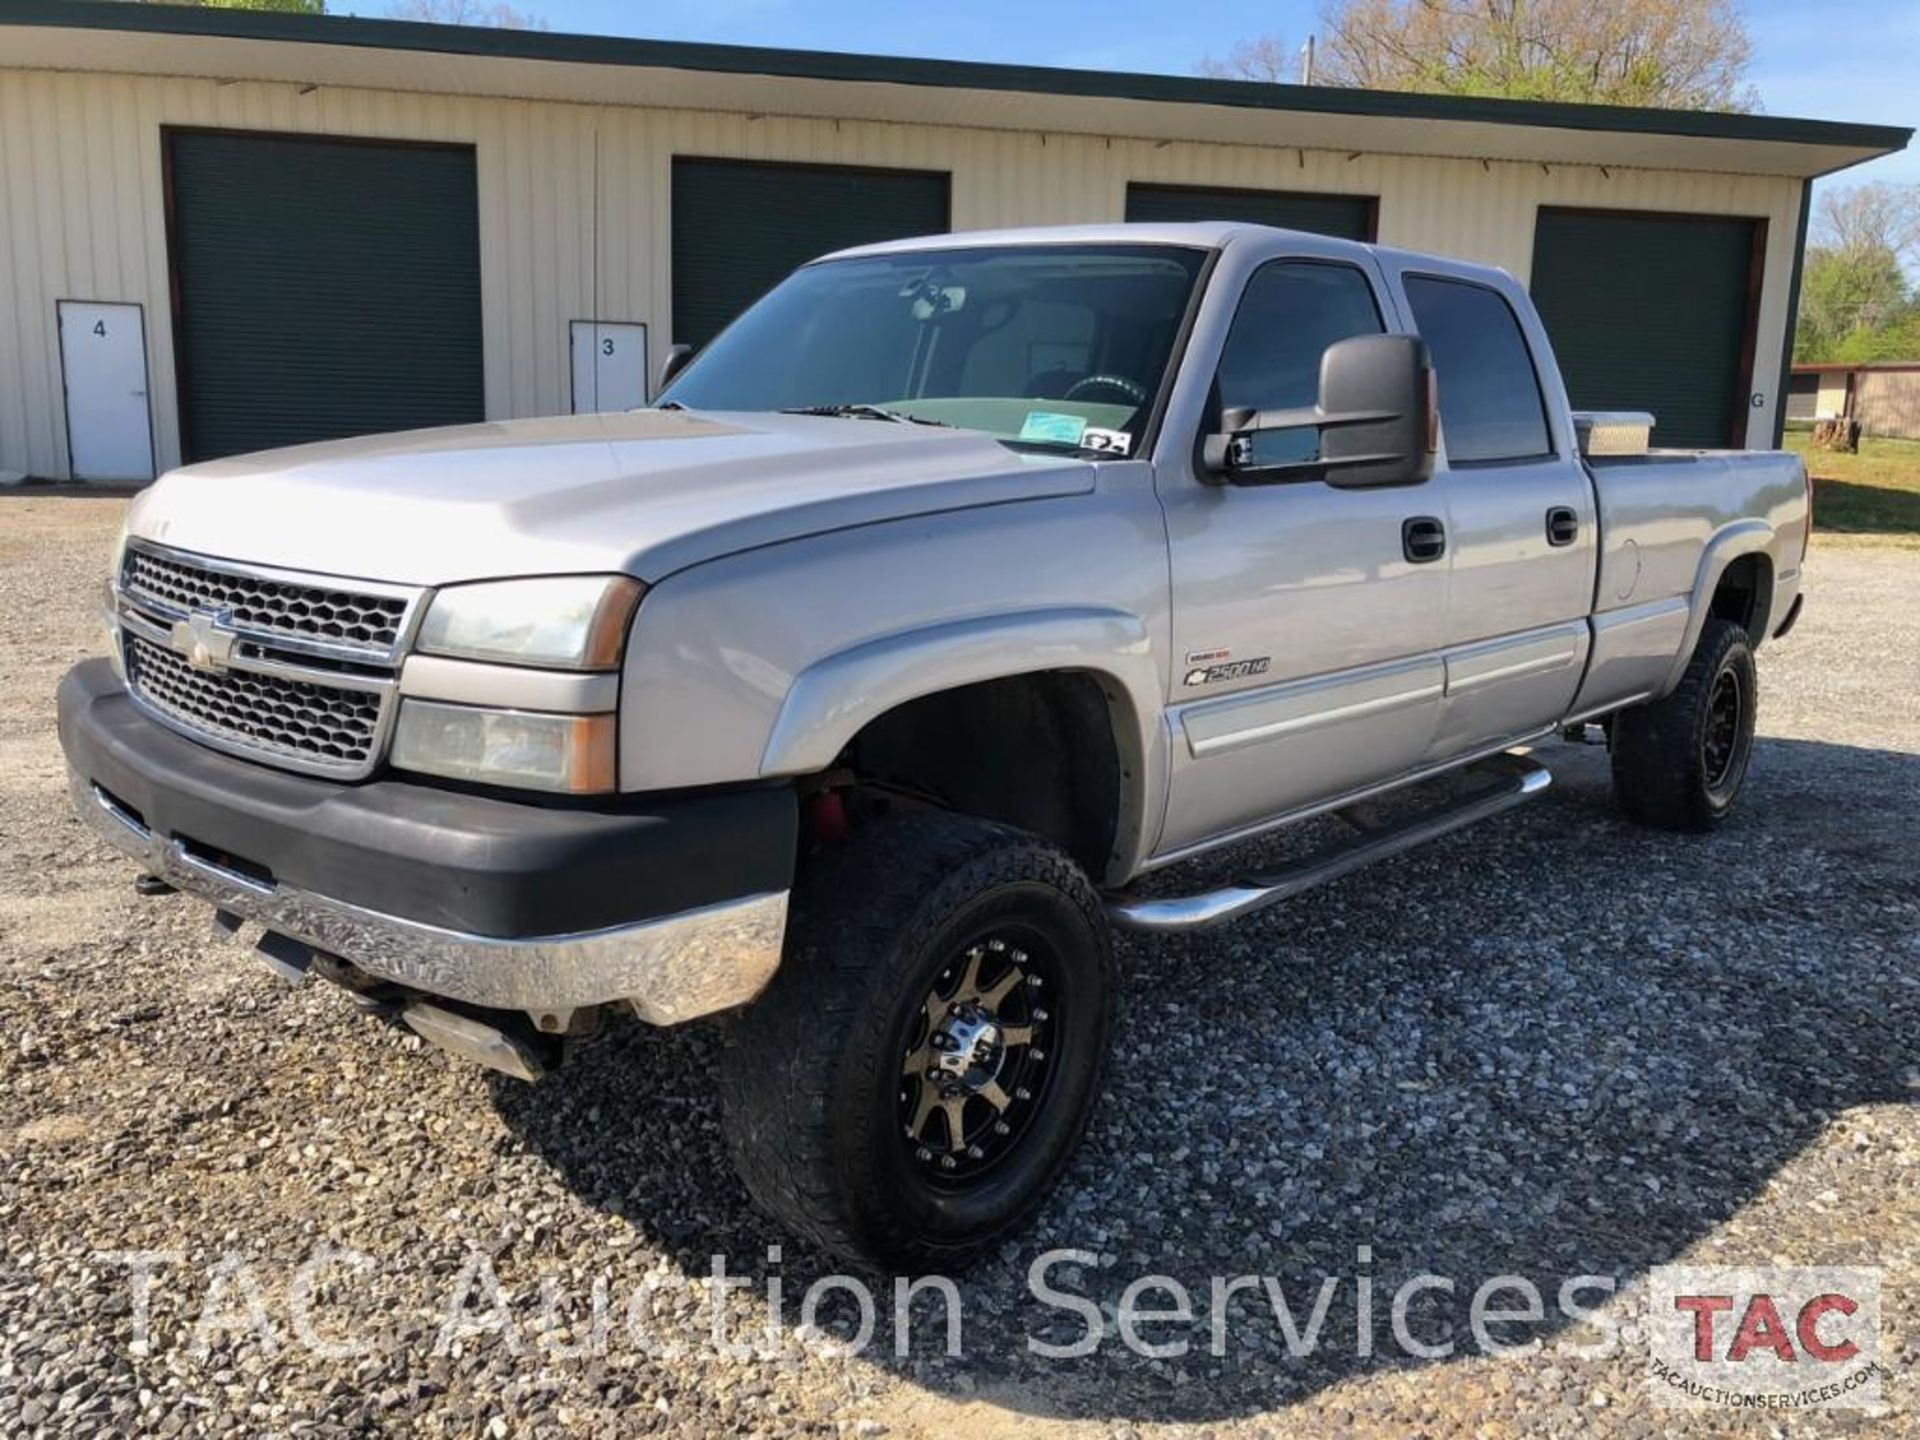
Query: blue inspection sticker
[[1046, 425]]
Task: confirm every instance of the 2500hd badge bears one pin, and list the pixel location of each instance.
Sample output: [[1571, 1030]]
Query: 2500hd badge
[[1231, 670]]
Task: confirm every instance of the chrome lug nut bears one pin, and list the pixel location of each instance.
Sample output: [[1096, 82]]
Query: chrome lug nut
[[1000, 1127], [947, 1162], [1023, 1093]]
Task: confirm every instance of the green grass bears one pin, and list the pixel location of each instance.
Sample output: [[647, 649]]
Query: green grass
[[1875, 493]]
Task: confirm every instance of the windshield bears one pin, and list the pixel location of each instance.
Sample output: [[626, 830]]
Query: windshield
[[1052, 346]]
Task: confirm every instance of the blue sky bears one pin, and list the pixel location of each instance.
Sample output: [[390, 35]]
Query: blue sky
[[1812, 58]]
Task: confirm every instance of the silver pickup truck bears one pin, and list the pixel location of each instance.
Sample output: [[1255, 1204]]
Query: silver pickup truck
[[852, 686]]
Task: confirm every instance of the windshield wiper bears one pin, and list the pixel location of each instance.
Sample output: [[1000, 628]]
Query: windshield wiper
[[866, 412]]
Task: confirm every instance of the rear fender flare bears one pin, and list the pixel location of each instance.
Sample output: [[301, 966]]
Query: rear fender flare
[[1742, 537]]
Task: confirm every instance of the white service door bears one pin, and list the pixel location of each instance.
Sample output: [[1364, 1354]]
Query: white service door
[[103, 357], [609, 366]]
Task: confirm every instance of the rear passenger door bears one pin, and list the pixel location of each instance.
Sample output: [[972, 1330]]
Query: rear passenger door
[[1520, 513]]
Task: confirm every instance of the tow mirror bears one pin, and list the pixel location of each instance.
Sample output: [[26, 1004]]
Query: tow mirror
[[677, 360], [1375, 423]]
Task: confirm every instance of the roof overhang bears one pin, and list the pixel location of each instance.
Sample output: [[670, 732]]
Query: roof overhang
[[230, 45]]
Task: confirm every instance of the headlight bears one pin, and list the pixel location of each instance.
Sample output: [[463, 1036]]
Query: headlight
[[119, 554], [110, 604], [563, 622], [569, 753]]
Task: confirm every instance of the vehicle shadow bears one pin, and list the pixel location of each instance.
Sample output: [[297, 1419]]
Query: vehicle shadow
[[1551, 1047], [36, 489], [1868, 508]]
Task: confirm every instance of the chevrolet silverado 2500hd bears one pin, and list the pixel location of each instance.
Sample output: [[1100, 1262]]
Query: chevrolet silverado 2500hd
[[850, 688]]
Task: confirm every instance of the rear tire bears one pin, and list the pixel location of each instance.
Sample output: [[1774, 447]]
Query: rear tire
[[913, 1081], [1679, 762]]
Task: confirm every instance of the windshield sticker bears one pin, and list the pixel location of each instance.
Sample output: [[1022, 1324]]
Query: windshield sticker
[[1113, 442], [1049, 425]]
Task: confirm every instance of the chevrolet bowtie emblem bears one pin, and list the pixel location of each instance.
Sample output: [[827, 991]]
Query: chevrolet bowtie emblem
[[200, 638]]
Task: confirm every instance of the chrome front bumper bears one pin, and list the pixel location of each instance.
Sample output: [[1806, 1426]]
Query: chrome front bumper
[[670, 969]]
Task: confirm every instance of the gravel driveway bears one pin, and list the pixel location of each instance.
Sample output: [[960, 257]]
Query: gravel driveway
[[1556, 1046]]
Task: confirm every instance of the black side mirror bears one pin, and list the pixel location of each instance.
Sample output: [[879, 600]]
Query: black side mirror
[[1374, 425], [678, 357]]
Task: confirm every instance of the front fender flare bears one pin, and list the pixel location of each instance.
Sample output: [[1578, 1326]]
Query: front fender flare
[[833, 699]]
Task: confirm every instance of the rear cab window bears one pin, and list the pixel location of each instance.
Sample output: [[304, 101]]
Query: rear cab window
[[1491, 405]]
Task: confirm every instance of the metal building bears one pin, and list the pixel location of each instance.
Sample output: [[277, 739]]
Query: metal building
[[1884, 396], [222, 230]]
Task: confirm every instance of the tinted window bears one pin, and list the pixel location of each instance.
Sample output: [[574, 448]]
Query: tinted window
[[1490, 405], [1292, 311]]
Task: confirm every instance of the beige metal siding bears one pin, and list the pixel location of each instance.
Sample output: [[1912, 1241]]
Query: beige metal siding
[[1831, 401], [1887, 403], [82, 211]]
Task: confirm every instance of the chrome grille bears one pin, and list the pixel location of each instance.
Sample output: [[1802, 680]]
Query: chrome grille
[[296, 669], [350, 621], [312, 725]]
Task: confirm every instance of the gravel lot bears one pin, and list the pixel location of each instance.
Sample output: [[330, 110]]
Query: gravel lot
[[1554, 1046]]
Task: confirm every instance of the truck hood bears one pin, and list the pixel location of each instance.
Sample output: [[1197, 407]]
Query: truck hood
[[646, 492]]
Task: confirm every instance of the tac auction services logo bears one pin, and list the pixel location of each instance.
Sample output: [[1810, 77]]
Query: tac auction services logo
[[1761, 1337]]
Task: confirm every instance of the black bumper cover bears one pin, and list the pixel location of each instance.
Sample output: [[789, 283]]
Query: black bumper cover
[[466, 862]]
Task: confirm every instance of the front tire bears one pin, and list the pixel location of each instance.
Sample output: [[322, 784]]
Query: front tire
[[1679, 762], [925, 1061]]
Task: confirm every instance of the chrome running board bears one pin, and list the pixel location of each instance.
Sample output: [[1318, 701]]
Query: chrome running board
[[1497, 783]]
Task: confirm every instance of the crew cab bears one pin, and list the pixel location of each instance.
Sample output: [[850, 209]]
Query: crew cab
[[849, 691]]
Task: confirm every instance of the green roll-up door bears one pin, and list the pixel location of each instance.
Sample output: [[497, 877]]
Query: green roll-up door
[[1653, 312], [322, 288], [740, 226], [1350, 217]]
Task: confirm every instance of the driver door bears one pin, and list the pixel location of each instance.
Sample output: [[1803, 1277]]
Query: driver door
[[1306, 637]]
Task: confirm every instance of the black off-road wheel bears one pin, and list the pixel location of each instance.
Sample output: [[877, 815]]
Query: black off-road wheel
[[1678, 763], [915, 1078]]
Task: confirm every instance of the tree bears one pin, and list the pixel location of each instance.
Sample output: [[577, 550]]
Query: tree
[[480, 13], [1266, 58], [1862, 219], [1676, 54], [1856, 301], [1844, 299]]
